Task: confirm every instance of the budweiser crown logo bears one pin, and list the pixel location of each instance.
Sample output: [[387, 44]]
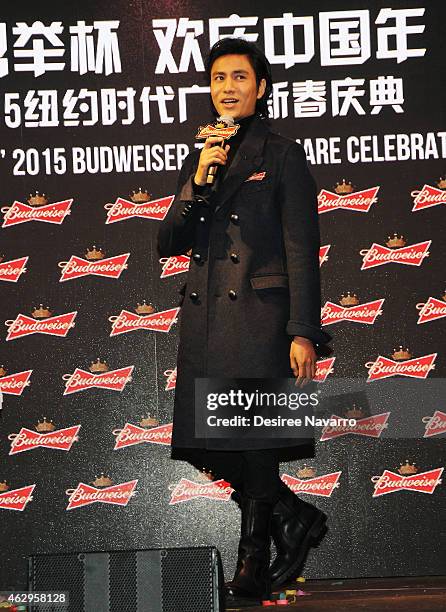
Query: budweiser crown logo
[[98, 366], [343, 188], [148, 421], [94, 253], [140, 196], [102, 481], [349, 299], [42, 312], [205, 475], [3, 486], [401, 354], [407, 468], [395, 241], [306, 472], [144, 308], [2, 371], [441, 184], [45, 426], [37, 199], [354, 412], [443, 297]]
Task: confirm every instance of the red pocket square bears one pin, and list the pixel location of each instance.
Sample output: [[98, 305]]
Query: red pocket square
[[257, 176]]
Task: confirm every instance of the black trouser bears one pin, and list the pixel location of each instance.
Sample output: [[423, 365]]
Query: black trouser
[[254, 473]]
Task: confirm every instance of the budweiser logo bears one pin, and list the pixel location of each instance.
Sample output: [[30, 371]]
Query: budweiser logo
[[372, 427], [427, 197], [128, 321], [431, 310], [21, 213], [418, 367], [220, 130], [84, 494], [362, 313], [124, 209], [27, 439], [435, 424], [257, 176], [324, 367], [54, 326], [360, 201], [174, 265], [81, 380], [111, 267], [133, 434], [323, 254], [378, 255], [186, 490], [389, 482], [171, 379], [10, 271], [17, 498], [320, 485], [14, 384]]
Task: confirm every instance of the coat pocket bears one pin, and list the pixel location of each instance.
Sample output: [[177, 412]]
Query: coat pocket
[[270, 281]]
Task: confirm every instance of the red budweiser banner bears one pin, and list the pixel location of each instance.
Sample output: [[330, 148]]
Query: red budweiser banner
[[10, 271], [360, 201], [379, 255], [26, 439], [14, 384], [324, 367], [17, 498], [390, 482], [81, 380], [124, 209], [158, 321], [133, 434], [418, 367], [84, 494], [76, 267], [372, 427], [431, 310], [319, 485], [427, 197], [171, 379], [22, 213], [435, 424], [174, 265], [362, 313], [323, 254], [185, 490], [53, 326]]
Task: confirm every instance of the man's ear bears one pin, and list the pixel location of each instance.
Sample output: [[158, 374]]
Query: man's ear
[[261, 90]]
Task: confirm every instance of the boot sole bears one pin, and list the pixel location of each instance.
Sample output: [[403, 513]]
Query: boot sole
[[313, 538]]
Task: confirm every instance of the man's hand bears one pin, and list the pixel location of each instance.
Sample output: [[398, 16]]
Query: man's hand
[[303, 360], [210, 155]]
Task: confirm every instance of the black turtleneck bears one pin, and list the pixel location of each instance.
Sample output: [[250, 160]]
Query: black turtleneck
[[234, 143]]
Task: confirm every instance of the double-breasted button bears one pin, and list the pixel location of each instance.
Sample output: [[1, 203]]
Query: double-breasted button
[[187, 209], [202, 220], [232, 294], [234, 257], [197, 258], [193, 296], [234, 218]]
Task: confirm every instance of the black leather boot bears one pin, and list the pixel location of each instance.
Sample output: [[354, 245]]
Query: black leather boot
[[296, 526], [251, 582]]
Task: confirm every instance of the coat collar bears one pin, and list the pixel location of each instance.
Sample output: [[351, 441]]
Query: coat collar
[[247, 159]]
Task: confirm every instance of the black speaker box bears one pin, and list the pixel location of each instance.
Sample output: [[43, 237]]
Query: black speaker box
[[156, 580]]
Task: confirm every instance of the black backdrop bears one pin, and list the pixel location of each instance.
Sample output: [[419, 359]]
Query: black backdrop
[[394, 534]]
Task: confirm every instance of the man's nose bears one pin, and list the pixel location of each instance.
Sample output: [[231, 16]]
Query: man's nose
[[228, 86]]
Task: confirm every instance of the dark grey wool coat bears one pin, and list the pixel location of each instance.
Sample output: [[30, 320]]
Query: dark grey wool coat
[[253, 280]]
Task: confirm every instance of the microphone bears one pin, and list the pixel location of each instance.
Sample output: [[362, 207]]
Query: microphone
[[212, 171]]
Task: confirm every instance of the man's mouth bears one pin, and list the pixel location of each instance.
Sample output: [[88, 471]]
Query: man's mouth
[[229, 101]]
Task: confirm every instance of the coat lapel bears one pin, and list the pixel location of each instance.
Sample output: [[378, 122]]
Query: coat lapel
[[247, 160]]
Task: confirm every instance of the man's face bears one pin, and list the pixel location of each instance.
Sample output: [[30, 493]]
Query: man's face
[[233, 86]]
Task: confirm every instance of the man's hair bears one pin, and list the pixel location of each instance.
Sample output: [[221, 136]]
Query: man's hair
[[261, 66]]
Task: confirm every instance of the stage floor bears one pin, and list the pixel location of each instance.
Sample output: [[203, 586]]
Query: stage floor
[[421, 593]]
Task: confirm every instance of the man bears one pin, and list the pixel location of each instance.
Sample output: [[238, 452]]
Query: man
[[251, 305]]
